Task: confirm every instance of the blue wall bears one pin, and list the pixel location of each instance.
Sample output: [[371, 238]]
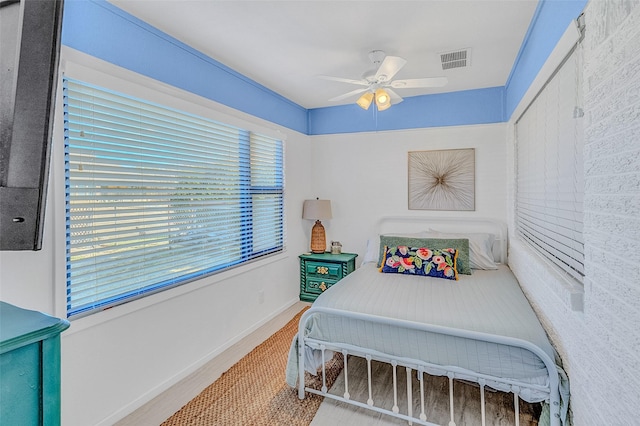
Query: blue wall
[[480, 106], [102, 30], [550, 20]]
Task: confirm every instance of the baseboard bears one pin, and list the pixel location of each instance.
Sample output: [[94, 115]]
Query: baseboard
[[160, 403]]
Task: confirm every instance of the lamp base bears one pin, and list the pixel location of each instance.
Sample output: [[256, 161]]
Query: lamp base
[[318, 238]]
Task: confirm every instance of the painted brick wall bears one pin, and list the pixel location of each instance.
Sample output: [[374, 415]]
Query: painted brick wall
[[600, 347]]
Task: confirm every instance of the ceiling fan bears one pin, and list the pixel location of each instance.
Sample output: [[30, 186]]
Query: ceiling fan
[[379, 83]]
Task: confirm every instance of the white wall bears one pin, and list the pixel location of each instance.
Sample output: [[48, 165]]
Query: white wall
[[26, 276], [600, 346], [365, 176]]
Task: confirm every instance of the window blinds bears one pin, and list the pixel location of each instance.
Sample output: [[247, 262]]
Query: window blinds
[[549, 170], [156, 197]]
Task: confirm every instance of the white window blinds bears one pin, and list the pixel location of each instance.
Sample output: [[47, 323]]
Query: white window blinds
[[156, 197], [549, 171]]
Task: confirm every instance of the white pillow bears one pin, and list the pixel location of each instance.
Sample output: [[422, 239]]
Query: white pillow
[[480, 247], [373, 247]]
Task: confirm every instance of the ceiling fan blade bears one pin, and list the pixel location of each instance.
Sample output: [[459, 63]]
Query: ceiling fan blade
[[344, 80], [395, 98], [389, 67], [419, 82], [346, 95]]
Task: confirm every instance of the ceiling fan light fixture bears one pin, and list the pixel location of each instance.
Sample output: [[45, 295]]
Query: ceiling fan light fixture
[[365, 100], [383, 100], [376, 80]]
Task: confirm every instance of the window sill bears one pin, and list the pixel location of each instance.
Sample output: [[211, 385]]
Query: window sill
[[524, 260], [109, 314]]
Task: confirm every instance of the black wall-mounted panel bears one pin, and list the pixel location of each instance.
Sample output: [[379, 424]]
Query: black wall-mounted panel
[[29, 54]]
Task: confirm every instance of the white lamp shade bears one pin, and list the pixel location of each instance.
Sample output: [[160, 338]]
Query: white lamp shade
[[316, 209]]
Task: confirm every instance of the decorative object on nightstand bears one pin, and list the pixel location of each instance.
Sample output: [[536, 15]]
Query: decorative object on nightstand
[[320, 271], [317, 210]]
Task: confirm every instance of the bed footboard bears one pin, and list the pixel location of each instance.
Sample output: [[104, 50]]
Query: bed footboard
[[420, 368]]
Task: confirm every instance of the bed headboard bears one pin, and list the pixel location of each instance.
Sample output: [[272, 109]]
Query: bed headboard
[[412, 224]]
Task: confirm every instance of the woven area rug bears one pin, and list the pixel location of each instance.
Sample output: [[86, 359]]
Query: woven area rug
[[254, 392]]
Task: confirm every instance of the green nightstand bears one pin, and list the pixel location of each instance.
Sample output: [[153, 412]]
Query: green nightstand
[[29, 367], [320, 271]]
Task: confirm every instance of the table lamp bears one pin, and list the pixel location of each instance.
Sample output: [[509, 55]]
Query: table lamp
[[317, 210]]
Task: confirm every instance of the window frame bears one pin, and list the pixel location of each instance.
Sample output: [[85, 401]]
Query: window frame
[[568, 45], [78, 65]]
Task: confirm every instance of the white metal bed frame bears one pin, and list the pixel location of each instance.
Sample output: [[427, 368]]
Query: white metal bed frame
[[408, 224]]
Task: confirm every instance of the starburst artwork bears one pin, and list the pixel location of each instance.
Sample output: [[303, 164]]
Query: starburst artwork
[[442, 180]]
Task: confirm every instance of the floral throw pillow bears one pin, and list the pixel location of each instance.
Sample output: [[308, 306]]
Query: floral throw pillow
[[462, 245], [421, 261]]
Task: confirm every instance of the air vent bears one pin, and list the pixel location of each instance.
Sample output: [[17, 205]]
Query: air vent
[[456, 59]]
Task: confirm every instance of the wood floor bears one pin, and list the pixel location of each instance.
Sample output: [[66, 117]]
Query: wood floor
[[498, 405], [467, 400]]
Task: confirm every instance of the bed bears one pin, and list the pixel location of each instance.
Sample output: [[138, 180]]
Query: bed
[[479, 328]]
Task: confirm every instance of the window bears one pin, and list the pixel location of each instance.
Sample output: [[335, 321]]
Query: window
[[156, 197], [549, 170]]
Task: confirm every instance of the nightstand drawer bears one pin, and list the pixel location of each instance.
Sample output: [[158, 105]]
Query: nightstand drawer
[[317, 286], [324, 270], [319, 271]]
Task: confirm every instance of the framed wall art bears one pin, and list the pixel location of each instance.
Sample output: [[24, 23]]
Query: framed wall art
[[442, 180]]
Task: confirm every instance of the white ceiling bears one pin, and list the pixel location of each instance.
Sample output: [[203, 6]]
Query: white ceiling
[[285, 45]]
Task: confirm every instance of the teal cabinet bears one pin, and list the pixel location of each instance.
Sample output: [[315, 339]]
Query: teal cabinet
[[319, 271], [29, 367]]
